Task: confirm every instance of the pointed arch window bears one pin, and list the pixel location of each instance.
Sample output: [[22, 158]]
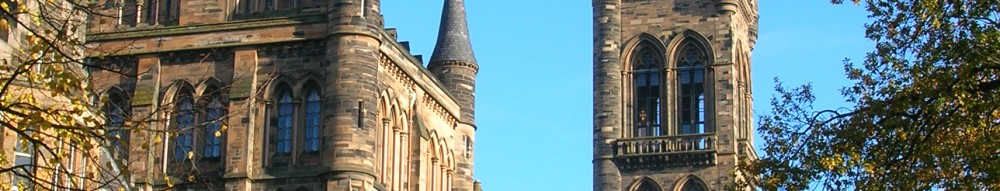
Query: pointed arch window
[[215, 110], [312, 120], [691, 62], [284, 122], [115, 114], [646, 75], [693, 185], [647, 186], [183, 126]]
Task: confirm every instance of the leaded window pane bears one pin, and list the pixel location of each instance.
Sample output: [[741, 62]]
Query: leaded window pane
[[213, 127], [646, 76], [115, 116], [312, 121], [185, 123], [284, 134], [691, 91]]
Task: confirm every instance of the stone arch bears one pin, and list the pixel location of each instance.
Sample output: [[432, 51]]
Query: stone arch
[[206, 85], [690, 183], [175, 88], [645, 184], [309, 80], [277, 82], [644, 40], [690, 36], [112, 91]]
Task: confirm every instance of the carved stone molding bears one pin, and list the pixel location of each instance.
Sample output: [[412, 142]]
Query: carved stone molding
[[401, 77]]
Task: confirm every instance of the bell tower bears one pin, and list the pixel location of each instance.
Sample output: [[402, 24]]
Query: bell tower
[[672, 96]]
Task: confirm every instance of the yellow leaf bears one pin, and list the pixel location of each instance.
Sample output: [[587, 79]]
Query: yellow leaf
[[190, 154], [218, 134]]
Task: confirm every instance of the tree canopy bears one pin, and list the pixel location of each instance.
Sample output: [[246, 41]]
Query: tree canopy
[[924, 114]]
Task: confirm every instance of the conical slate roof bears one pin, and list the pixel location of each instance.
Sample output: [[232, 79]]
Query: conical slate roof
[[453, 35]]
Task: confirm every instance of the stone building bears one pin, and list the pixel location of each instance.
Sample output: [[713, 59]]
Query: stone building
[[284, 95], [672, 100]]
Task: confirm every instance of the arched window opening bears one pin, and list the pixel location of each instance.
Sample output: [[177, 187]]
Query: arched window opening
[[691, 81], [215, 111], [283, 135], [693, 185], [183, 126], [646, 66], [312, 120], [115, 113], [647, 186]]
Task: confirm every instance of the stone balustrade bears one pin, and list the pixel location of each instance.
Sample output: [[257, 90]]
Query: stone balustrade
[[666, 151]]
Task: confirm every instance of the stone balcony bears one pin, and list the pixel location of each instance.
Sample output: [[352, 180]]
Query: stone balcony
[[666, 151]]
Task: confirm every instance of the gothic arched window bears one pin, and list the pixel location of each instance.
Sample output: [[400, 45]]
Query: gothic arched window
[[646, 66], [215, 110], [115, 114], [691, 62], [647, 186], [183, 124], [693, 184], [312, 120], [284, 122]]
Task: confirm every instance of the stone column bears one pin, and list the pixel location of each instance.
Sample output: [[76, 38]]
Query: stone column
[[607, 92]]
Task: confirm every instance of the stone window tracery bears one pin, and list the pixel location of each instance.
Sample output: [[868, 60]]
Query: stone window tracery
[[691, 62], [646, 66]]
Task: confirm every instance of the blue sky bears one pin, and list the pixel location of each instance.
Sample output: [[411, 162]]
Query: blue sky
[[534, 99]]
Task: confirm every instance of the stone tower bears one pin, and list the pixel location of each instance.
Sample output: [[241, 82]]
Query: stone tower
[[672, 104]]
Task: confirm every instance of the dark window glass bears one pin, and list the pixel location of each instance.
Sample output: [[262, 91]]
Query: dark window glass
[[646, 186], [214, 113], [691, 79], [129, 13], [268, 5], [115, 115], [692, 185], [284, 133], [312, 125], [183, 127], [646, 75]]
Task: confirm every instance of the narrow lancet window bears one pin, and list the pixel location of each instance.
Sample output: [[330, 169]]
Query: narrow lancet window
[[284, 133], [312, 128], [214, 113], [183, 127], [691, 80], [646, 66]]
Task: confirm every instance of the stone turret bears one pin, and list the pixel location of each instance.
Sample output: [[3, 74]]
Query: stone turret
[[353, 38], [453, 62]]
